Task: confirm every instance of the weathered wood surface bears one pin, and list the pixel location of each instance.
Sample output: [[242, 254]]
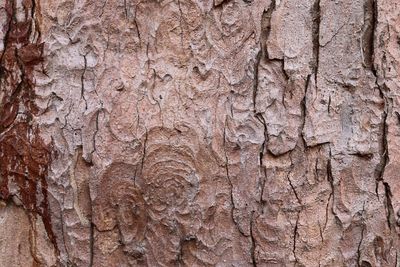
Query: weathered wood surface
[[199, 133]]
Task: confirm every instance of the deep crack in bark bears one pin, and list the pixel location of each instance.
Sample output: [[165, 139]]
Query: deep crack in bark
[[371, 10], [266, 28], [83, 81], [295, 233], [316, 18], [359, 246], [230, 183], [253, 241]]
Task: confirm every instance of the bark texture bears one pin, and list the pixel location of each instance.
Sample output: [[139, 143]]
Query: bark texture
[[200, 133]]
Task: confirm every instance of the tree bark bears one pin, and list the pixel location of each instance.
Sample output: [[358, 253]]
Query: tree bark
[[199, 133]]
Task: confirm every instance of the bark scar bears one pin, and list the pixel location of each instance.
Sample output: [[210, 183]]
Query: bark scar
[[24, 156]]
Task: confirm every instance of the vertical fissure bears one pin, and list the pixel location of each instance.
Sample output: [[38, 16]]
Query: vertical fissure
[[316, 19], [295, 233], [330, 178], [144, 154], [368, 29], [83, 81], [96, 130], [261, 157], [262, 55], [255, 79], [253, 241], [390, 214], [230, 183], [359, 246], [266, 28], [369, 38], [304, 111]]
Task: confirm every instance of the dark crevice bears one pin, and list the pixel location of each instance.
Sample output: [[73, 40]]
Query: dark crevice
[[390, 214], [83, 81], [125, 10], [329, 104], [359, 246], [293, 189], [102, 8], [316, 18], [181, 22], [262, 55], [220, 3], [266, 28], [318, 144], [371, 19], [321, 232], [363, 155], [261, 119], [367, 41], [304, 110], [335, 34], [284, 72], [330, 178], [90, 160], [296, 226], [290, 181], [255, 79], [143, 156], [91, 243], [253, 241], [137, 25], [327, 210], [384, 155], [230, 184], [295, 234]]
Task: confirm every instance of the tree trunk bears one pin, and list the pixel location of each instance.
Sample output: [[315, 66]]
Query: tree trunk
[[199, 133]]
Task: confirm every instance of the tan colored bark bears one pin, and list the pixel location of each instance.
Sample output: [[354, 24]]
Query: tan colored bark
[[199, 133]]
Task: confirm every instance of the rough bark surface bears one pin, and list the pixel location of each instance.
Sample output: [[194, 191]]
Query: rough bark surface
[[200, 133]]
